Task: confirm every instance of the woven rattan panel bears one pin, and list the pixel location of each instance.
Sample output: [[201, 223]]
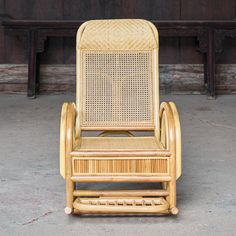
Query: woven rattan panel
[[117, 89], [123, 34], [118, 166]]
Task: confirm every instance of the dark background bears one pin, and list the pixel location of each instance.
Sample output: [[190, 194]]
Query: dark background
[[172, 50]]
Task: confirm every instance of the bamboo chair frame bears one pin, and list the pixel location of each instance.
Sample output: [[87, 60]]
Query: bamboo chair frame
[[119, 159]]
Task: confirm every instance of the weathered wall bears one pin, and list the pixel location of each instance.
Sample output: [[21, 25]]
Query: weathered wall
[[176, 78], [181, 64]]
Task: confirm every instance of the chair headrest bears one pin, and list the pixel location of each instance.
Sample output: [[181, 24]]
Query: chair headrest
[[122, 34]]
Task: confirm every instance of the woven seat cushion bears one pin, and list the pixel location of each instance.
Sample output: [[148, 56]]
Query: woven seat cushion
[[118, 144]]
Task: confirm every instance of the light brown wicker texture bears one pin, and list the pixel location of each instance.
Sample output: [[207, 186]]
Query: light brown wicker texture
[[118, 35], [115, 57], [108, 77], [117, 93]]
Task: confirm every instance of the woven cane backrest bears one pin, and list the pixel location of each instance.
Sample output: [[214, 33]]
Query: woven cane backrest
[[117, 75]]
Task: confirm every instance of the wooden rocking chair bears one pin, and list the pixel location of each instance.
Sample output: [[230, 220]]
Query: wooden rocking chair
[[118, 91]]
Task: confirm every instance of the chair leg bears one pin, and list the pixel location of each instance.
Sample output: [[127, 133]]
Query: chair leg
[[69, 196], [171, 188]]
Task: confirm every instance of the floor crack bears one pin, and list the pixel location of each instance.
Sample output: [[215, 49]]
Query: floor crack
[[211, 123], [37, 218], [217, 124]]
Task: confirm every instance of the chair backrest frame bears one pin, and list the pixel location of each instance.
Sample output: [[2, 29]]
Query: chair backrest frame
[[81, 51]]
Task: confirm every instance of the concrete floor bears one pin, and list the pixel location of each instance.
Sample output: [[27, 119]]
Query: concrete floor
[[32, 193]]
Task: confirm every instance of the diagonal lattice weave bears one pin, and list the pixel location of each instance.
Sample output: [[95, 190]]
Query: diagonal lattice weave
[[118, 35]]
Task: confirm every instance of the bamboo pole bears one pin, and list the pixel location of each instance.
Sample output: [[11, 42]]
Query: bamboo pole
[[118, 178], [115, 193]]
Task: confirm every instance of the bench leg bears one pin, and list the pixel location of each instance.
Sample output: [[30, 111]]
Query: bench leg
[[32, 63]]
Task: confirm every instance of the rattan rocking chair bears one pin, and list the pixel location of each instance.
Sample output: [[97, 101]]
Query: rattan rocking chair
[[118, 91]]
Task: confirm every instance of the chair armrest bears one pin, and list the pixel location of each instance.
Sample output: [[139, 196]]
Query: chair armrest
[[170, 132], [67, 134]]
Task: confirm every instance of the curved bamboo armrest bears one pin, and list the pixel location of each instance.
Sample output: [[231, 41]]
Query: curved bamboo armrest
[[170, 132], [67, 134]]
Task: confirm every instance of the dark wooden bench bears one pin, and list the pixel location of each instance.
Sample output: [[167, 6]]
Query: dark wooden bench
[[209, 34]]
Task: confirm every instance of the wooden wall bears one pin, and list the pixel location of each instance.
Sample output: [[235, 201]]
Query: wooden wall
[[61, 51]]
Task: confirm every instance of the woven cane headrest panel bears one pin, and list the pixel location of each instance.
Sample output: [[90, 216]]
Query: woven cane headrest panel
[[118, 35]]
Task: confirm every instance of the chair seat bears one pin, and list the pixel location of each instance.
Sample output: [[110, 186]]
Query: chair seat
[[119, 144]]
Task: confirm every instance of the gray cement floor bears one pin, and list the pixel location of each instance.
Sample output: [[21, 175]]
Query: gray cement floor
[[32, 192]]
